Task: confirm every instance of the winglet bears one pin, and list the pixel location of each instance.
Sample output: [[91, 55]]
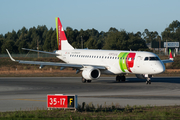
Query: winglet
[[170, 55], [10, 55]]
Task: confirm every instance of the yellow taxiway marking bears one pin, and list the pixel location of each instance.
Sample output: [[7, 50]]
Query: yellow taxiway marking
[[32, 100]]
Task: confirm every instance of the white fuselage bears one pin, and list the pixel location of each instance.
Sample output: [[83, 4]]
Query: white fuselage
[[116, 62]]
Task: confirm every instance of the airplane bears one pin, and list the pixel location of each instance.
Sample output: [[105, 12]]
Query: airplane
[[93, 63]]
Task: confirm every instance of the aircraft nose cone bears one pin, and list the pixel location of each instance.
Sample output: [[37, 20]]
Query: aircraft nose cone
[[160, 68]]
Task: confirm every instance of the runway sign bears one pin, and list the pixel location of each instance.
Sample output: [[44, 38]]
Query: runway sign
[[62, 101]]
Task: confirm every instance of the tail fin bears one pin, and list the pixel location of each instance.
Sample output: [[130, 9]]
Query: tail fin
[[61, 37], [170, 55]]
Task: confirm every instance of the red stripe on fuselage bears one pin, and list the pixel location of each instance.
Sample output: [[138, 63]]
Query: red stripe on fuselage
[[130, 61]]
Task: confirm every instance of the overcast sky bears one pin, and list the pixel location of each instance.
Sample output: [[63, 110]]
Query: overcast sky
[[130, 15]]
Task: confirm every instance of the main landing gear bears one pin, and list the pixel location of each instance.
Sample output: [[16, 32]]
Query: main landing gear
[[120, 78], [84, 80]]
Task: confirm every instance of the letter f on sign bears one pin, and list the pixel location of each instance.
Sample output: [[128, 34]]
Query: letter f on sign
[[70, 101]]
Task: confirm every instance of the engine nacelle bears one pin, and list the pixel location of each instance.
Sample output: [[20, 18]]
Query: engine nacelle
[[91, 73]]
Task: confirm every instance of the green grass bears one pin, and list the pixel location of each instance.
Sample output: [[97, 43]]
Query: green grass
[[90, 112]]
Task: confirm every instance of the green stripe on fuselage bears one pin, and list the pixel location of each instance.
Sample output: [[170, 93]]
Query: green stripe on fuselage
[[122, 61]]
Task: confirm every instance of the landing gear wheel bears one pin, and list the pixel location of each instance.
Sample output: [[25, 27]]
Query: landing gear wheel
[[118, 78], [89, 81], [83, 80], [123, 78]]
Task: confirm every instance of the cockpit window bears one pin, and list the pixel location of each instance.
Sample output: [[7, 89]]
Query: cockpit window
[[146, 58], [151, 58]]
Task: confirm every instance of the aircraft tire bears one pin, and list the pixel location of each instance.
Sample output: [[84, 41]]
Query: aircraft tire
[[89, 81], [118, 78], [83, 80], [123, 78]]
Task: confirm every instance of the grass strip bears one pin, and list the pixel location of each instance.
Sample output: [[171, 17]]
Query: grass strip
[[90, 112]]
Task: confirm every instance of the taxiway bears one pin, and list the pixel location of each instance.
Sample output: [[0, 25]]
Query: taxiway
[[29, 93]]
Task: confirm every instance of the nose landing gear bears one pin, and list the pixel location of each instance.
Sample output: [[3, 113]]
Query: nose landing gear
[[148, 80]]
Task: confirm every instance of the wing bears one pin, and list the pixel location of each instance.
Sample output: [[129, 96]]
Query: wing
[[167, 61], [78, 66]]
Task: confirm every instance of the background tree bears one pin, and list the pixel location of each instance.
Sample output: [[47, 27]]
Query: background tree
[[47, 43], [150, 36], [10, 45], [22, 44], [54, 45], [172, 32]]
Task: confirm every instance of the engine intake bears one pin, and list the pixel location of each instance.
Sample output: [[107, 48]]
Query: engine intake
[[91, 73]]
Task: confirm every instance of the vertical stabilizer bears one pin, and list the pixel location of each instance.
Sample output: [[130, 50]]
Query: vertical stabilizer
[[170, 55], [61, 37]]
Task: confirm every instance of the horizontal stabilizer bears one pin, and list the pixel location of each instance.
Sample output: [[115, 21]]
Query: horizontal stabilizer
[[167, 61], [52, 53]]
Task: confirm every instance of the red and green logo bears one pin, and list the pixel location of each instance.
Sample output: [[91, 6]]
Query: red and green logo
[[126, 61], [170, 54]]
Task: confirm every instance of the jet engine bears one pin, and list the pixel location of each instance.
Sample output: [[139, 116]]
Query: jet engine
[[91, 73]]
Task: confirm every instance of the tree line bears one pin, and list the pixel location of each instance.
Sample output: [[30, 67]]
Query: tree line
[[45, 39]]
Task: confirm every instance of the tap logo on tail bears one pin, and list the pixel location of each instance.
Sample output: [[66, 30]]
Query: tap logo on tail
[[60, 33], [126, 61], [170, 55]]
